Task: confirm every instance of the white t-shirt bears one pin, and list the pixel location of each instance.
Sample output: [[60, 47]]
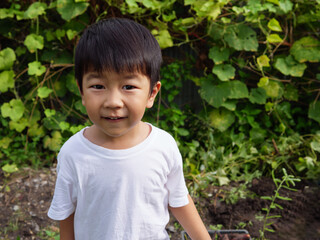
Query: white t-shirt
[[119, 194]]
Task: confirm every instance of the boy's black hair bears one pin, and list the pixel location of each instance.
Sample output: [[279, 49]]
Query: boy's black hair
[[119, 45]]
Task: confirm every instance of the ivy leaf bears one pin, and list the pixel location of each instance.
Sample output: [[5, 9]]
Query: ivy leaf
[[10, 168], [69, 9], [215, 95], [71, 34], [33, 42], [264, 81], [273, 89], [7, 58], [288, 66], [163, 37], [5, 142], [36, 131], [34, 10], [263, 61], [35, 68], [291, 93], [285, 5], [219, 55], [238, 90], [306, 49], [53, 143], [274, 25], [315, 145], [14, 109], [274, 38], [19, 125], [49, 112], [224, 71], [241, 37], [314, 111], [258, 95], [72, 84], [7, 80], [6, 13], [44, 92], [221, 119]]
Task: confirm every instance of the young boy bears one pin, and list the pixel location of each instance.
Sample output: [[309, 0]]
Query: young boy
[[118, 178]]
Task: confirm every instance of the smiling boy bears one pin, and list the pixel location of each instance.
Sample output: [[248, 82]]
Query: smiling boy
[[118, 178]]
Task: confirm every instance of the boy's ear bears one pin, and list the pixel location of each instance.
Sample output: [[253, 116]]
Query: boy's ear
[[153, 94]]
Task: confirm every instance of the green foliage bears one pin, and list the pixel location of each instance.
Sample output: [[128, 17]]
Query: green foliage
[[256, 69], [284, 183]]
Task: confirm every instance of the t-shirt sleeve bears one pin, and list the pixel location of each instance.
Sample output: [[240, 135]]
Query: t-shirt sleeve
[[178, 192], [64, 199]]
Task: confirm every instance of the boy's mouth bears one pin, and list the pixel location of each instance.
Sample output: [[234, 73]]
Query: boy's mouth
[[113, 118]]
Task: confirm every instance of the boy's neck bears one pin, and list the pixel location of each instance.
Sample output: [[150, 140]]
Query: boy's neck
[[132, 138]]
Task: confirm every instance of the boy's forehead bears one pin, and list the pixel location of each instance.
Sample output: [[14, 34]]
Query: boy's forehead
[[105, 73]]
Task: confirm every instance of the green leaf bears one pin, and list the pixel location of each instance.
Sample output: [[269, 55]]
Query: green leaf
[[274, 25], [49, 112], [35, 68], [19, 125], [44, 92], [7, 80], [263, 61], [288, 66], [241, 37], [264, 81], [71, 34], [285, 5], [274, 38], [14, 109], [163, 37], [219, 55], [10, 168], [306, 49], [224, 71], [7, 58], [5, 142], [315, 145], [314, 111], [72, 84], [237, 89], [266, 198], [53, 143], [291, 93], [217, 95], [34, 10], [273, 89], [6, 13], [258, 95], [69, 9], [36, 131], [221, 119], [33, 42]]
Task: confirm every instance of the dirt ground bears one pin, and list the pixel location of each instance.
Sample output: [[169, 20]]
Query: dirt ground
[[25, 197]]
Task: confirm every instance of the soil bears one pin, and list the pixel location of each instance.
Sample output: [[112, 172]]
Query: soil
[[25, 197]]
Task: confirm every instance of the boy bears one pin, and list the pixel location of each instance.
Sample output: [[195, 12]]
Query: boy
[[117, 178]]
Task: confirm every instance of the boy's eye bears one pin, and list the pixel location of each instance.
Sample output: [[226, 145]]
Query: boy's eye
[[128, 87], [97, 86]]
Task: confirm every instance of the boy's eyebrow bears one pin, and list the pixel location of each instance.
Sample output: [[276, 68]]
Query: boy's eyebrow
[[93, 75]]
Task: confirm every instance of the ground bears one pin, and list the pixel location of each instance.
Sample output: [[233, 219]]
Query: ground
[[25, 197]]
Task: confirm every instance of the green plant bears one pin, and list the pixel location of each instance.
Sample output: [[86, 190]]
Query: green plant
[[285, 182]]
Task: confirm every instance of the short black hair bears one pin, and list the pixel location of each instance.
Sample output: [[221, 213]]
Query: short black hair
[[120, 45]]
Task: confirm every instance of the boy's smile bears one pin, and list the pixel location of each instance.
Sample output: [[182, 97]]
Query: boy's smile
[[116, 103]]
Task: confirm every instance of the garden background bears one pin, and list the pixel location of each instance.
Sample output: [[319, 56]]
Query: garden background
[[240, 94]]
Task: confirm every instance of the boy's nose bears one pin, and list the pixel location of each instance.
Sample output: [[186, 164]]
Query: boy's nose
[[113, 100]]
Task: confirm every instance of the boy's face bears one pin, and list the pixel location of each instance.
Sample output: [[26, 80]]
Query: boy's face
[[116, 103]]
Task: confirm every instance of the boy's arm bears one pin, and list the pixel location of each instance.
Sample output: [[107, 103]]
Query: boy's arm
[[190, 220], [67, 229]]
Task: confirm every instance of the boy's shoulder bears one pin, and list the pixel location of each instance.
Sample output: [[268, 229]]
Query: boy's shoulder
[[73, 143]]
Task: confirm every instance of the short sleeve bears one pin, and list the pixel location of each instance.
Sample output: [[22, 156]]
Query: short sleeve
[[178, 192], [64, 199]]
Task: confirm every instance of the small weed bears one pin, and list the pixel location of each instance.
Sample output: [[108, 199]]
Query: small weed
[[285, 182]]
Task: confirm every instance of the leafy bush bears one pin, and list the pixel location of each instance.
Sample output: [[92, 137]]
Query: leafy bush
[[256, 67]]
